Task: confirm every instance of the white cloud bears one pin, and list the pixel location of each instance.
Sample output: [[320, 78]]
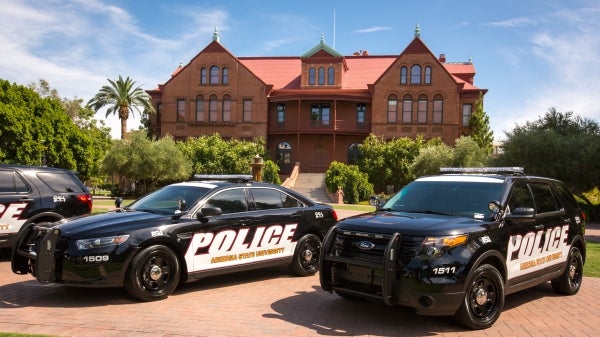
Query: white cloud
[[372, 29]]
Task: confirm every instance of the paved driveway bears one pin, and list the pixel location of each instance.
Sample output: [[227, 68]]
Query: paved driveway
[[269, 302]]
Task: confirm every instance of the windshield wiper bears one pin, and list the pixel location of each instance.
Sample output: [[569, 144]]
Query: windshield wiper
[[429, 211]]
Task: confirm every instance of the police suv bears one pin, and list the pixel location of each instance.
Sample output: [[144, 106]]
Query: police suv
[[181, 232], [36, 194], [457, 243]]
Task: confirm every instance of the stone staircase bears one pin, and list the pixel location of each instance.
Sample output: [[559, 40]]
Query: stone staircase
[[312, 185]]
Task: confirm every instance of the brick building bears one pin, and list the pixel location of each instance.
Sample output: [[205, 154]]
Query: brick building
[[317, 107]]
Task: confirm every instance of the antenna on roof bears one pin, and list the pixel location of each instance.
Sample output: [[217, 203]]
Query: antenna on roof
[[334, 29]]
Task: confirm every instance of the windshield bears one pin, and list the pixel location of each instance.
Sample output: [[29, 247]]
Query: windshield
[[167, 199], [461, 198]]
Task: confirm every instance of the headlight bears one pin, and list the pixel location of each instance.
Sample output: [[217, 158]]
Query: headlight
[[433, 246], [101, 242]]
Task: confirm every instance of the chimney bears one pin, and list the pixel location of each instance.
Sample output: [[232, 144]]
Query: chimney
[[443, 58]]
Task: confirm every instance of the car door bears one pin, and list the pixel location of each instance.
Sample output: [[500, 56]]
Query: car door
[[277, 218], [537, 230], [221, 239]]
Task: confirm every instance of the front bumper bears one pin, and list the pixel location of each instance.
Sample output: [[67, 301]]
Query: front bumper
[[387, 278], [51, 258]]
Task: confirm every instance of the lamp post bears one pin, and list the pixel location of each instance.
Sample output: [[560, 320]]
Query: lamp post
[[257, 165]]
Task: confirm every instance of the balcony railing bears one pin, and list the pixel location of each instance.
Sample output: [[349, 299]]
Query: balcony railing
[[340, 125]]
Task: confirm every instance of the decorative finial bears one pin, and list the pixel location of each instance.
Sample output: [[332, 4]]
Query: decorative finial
[[418, 31], [322, 39], [216, 35], [470, 60]]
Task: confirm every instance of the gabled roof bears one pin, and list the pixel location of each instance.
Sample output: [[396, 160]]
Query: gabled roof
[[283, 73], [322, 47]]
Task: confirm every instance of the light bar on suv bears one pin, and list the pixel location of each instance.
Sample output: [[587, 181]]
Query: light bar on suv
[[497, 170], [225, 177]]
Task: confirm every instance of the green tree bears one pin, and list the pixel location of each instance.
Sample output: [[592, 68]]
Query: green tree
[[558, 145], [121, 97], [468, 153], [147, 162], [271, 173], [465, 153], [479, 124], [388, 162], [36, 130], [355, 185], [214, 155], [431, 158]]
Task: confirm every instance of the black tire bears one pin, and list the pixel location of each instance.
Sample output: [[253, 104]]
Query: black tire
[[153, 274], [484, 298], [570, 281], [306, 256]]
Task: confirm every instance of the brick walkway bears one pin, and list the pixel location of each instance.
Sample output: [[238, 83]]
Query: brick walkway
[[269, 302]]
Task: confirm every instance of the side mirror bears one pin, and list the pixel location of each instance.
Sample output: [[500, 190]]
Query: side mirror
[[375, 200], [521, 214], [205, 212]]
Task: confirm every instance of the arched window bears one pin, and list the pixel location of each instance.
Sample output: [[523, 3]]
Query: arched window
[[311, 76], [214, 75], [226, 114], [225, 78], [428, 75], [330, 76], [407, 109], [321, 76], [199, 108], [392, 113], [353, 153], [203, 76], [415, 74], [422, 109], [403, 75], [283, 155], [438, 109], [213, 111]]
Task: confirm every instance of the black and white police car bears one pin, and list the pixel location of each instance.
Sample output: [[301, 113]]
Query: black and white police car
[[458, 242], [181, 232]]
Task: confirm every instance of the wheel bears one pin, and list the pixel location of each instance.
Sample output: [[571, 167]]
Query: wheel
[[570, 281], [154, 274], [306, 256], [484, 298]]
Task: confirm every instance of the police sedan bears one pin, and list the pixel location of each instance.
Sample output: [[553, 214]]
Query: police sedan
[[179, 233]]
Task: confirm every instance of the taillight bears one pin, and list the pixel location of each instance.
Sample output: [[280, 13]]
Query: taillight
[[583, 216], [335, 216], [87, 198]]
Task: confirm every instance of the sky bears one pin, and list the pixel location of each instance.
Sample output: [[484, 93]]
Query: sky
[[531, 55]]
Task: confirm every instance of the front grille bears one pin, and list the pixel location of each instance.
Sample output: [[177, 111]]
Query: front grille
[[347, 244]]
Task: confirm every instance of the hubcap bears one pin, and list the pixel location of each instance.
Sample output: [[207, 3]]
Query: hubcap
[[155, 273], [480, 296], [307, 255]]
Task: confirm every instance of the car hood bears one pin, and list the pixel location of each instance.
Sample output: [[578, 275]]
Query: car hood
[[385, 222], [112, 223]]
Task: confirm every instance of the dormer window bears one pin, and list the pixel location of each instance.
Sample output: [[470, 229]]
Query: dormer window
[[321, 76], [311, 76], [331, 76]]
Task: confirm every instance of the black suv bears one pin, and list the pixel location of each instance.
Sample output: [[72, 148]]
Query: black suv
[[181, 232], [458, 242], [36, 194]]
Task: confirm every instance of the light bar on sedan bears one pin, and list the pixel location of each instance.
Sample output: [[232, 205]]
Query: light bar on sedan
[[498, 170]]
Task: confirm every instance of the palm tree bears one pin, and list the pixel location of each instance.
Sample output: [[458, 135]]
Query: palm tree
[[122, 97]]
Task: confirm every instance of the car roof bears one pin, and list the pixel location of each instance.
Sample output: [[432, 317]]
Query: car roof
[[23, 168]]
